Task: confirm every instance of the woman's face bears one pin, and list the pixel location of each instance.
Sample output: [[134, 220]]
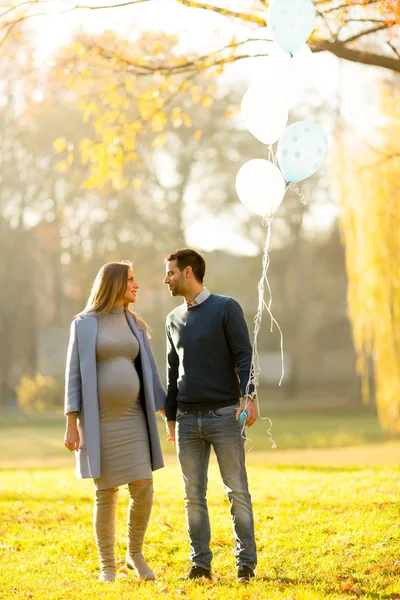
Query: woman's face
[[131, 288]]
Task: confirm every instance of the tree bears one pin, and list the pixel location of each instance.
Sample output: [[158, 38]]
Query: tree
[[370, 225], [361, 31]]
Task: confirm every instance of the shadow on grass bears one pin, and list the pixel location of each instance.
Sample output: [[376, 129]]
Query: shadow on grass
[[325, 468], [42, 499], [364, 594]]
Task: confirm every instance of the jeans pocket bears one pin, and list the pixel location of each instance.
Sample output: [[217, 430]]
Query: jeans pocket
[[180, 413], [226, 411]]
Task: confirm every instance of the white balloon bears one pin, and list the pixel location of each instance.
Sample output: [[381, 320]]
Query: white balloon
[[260, 187], [291, 74], [265, 113]]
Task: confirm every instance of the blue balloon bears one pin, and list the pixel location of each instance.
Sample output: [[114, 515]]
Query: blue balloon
[[291, 22], [301, 150]]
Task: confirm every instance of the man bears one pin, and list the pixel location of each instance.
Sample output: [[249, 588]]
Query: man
[[209, 360]]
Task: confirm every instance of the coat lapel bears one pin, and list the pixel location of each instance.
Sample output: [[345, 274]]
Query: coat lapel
[[139, 336], [135, 329]]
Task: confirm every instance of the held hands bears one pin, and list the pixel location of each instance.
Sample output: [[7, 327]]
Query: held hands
[[170, 425], [71, 439], [249, 405]]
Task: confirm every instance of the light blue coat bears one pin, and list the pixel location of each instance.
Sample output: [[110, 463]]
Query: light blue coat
[[81, 392]]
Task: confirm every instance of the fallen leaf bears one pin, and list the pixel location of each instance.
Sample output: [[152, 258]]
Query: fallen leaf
[[123, 571], [376, 567], [346, 585], [164, 590], [355, 590]]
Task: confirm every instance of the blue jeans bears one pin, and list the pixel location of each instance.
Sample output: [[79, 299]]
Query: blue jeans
[[196, 432]]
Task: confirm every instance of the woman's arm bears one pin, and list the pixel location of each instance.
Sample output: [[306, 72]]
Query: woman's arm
[[73, 392], [73, 383]]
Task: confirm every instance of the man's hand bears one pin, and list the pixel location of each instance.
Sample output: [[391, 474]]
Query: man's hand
[[71, 439], [249, 405], [171, 431]]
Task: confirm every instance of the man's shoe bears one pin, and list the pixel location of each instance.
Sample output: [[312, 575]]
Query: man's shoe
[[196, 572], [245, 574]]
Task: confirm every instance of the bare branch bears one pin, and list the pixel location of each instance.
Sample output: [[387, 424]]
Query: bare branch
[[340, 50], [119, 5], [150, 69], [225, 12], [365, 32], [397, 53], [352, 20]]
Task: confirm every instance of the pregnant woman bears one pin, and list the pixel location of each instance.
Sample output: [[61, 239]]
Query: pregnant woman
[[113, 392]]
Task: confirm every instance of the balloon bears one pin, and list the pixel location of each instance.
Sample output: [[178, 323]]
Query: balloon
[[301, 150], [291, 22], [260, 187], [265, 112], [290, 75]]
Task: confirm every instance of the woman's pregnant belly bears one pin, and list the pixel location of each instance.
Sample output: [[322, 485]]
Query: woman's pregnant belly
[[118, 387]]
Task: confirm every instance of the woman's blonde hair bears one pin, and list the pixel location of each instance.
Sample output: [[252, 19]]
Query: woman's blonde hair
[[109, 288]]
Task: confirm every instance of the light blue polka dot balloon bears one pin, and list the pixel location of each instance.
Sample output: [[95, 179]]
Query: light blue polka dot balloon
[[301, 150], [291, 22]]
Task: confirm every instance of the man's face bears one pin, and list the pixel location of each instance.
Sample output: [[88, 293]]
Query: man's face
[[174, 279]]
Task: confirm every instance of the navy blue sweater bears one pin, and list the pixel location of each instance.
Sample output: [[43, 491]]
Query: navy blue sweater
[[208, 355]]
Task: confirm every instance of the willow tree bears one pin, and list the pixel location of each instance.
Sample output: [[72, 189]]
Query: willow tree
[[371, 232]]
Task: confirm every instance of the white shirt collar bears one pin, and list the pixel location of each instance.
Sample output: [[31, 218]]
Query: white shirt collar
[[202, 297]]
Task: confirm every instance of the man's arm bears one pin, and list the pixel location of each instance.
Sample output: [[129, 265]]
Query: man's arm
[[238, 338], [172, 386]]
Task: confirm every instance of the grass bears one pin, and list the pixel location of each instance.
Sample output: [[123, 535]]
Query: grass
[[327, 519], [323, 532], [36, 440]]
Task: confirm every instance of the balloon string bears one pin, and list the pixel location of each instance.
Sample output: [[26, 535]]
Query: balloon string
[[255, 369], [300, 195]]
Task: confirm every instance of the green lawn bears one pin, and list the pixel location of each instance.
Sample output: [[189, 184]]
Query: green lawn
[[322, 532], [327, 518], [36, 440]]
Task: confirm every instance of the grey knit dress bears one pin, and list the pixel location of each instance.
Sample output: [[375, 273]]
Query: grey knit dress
[[124, 443]]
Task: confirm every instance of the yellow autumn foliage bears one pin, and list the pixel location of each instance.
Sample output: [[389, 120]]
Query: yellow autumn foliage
[[371, 231]]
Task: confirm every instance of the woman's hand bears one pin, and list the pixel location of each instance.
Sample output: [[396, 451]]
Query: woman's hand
[[71, 439]]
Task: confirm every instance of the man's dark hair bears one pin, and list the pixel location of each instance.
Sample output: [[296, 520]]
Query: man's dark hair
[[186, 257]]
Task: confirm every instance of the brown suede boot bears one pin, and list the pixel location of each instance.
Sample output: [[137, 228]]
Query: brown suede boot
[[104, 515], [138, 517]]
